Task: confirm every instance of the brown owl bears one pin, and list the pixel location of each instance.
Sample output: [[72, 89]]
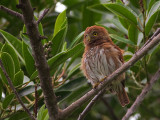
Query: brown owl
[[101, 58]]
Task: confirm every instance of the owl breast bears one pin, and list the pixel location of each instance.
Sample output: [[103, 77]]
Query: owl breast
[[100, 62]]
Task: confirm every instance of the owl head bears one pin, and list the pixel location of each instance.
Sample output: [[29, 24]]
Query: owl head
[[96, 35]]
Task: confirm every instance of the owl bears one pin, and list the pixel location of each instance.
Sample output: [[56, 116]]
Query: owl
[[101, 58]]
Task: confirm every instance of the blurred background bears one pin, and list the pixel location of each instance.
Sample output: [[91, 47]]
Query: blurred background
[[68, 78]]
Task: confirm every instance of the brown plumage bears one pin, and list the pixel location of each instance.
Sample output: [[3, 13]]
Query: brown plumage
[[101, 58]]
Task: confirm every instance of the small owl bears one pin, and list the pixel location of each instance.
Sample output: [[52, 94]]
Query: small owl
[[101, 58]]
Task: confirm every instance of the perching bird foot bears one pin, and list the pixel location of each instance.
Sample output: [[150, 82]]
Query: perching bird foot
[[101, 80], [95, 85]]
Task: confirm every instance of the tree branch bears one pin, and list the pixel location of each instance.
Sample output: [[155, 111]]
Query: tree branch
[[138, 55], [11, 12], [89, 106], [140, 98], [42, 16], [15, 92], [39, 57]]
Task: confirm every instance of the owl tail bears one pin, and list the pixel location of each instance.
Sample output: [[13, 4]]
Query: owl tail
[[122, 96]]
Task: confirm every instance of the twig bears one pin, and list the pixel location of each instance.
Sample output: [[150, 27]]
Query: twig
[[15, 92], [149, 40], [11, 12], [110, 110], [42, 16], [67, 111], [40, 60], [140, 98], [36, 101], [89, 106]]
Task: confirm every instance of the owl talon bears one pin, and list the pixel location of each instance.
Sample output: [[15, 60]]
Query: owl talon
[[101, 80], [95, 85]]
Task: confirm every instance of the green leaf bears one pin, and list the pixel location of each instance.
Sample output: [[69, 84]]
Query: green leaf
[[62, 95], [151, 17], [42, 113], [76, 94], [14, 42], [99, 8], [133, 34], [59, 22], [8, 65], [124, 22], [73, 84], [74, 71], [88, 17], [7, 48], [58, 40], [77, 39], [18, 79], [123, 11], [121, 39], [29, 61], [19, 115], [28, 90], [118, 25], [55, 61], [8, 99]]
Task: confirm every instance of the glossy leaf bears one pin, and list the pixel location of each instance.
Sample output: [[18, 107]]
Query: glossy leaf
[[28, 90], [8, 99], [73, 71], [77, 39], [59, 22], [121, 39], [118, 25], [124, 22], [151, 17], [62, 57], [14, 42], [42, 113], [19, 115], [73, 85], [18, 79], [9, 67], [122, 11], [7, 48], [58, 40], [29, 61], [99, 8], [133, 34], [88, 17]]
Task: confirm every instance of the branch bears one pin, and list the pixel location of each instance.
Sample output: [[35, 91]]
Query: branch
[[42, 16], [11, 12], [89, 106], [15, 92], [110, 110], [138, 55], [39, 57], [140, 98]]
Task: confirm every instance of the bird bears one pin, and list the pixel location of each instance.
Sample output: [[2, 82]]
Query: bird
[[101, 58]]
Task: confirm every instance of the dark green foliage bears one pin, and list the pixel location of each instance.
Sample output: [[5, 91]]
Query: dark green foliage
[[129, 28]]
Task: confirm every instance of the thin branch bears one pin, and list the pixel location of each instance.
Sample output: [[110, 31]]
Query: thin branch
[[11, 12], [15, 92], [110, 110], [42, 16], [141, 97], [138, 55], [149, 40], [89, 106], [39, 57]]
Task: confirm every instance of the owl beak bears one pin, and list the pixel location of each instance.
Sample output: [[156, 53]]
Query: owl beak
[[88, 38]]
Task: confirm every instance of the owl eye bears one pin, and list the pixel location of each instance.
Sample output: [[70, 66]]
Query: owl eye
[[94, 34]]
